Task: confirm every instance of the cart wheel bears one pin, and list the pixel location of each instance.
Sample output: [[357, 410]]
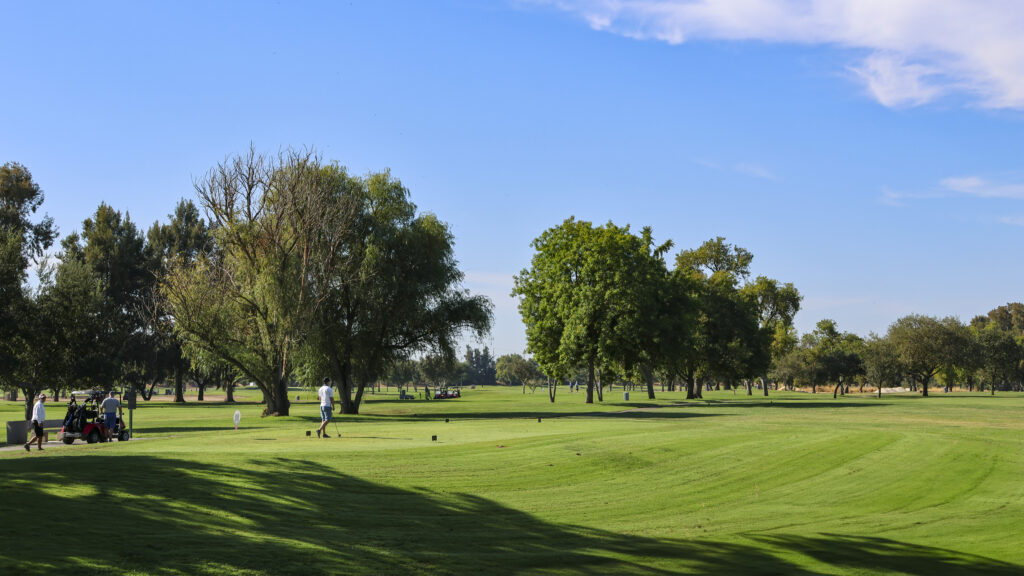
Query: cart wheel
[[93, 437], [68, 440], [123, 436]]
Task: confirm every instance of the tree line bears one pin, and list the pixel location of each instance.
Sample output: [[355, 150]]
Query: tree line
[[298, 270], [601, 306]]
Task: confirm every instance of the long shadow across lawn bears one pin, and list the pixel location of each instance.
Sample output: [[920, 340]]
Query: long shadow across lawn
[[866, 553], [282, 516]]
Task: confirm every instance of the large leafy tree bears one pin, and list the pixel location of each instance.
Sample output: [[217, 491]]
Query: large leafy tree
[[730, 344], [1000, 354], [924, 344], [276, 224], [179, 242], [112, 249], [394, 291], [585, 299], [514, 369], [23, 240], [882, 365], [777, 305], [480, 366]]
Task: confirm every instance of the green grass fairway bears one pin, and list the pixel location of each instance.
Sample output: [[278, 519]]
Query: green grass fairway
[[792, 484]]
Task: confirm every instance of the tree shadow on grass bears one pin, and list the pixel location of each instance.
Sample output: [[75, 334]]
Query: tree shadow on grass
[[110, 514], [872, 554]]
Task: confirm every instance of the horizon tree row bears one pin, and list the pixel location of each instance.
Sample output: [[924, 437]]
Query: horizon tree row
[[916, 351]]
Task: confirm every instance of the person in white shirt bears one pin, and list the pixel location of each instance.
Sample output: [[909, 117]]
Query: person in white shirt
[[111, 407], [38, 417], [326, 396]]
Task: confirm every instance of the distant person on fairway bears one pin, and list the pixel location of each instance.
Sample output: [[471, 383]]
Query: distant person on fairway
[[38, 417], [111, 406], [326, 395]]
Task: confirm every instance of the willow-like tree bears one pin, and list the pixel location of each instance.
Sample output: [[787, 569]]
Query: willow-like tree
[[276, 223], [394, 290]]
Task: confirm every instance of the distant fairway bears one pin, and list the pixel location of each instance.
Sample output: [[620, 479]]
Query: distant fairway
[[792, 484]]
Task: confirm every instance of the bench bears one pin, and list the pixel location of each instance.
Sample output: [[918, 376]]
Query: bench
[[403, 395], [18, 431]]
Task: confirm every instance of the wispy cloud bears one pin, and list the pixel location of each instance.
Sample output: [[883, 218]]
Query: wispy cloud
[[755, 170], [745, 168], [970, 186], [897, 198], [1013, 220], [975, 186], [910, 52]]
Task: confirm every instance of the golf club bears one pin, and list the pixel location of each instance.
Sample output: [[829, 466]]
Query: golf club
[[337, 433]]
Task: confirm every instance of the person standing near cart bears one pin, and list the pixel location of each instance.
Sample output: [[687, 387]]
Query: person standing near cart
[[38, 417], [326, 395], [111, 407]]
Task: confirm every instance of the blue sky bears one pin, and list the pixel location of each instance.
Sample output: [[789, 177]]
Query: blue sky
[[869, 152]]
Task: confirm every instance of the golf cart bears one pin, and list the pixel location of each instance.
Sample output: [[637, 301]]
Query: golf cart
[[83, 420], [444, 393]]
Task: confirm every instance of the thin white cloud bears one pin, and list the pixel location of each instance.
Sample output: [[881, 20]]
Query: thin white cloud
[[755, 170], [1013, 220], [745, 168], [908, 52], [975, 186]]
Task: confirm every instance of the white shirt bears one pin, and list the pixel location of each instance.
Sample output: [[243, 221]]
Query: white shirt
[[38, 412], [326, 394]]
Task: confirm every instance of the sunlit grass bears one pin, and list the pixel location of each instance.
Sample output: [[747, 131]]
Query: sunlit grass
[[795, 483]]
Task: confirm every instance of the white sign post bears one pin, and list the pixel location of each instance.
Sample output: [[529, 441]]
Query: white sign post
[[238, 418]]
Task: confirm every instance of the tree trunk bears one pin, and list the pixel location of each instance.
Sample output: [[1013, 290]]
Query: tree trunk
[[202, 388], [924, 388], [649, 375], [552, 389], [276, 396], [691, 386], [230, 392], [590, 383], [836, 390], [179, 383], [764, 386], [13, 395], [341, 374], [30, 399], [360, 388], [750, 387]]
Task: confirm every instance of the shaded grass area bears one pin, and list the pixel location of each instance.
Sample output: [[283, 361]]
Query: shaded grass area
[[653, 487], [287, 516]]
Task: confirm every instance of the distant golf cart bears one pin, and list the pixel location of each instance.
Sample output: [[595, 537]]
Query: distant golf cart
[[444, 393], [83, 419]]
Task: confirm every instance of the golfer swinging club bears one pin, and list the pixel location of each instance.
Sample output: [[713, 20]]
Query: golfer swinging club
[[326, 395]]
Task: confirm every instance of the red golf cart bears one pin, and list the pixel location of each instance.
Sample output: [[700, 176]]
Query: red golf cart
[[83, 419]]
